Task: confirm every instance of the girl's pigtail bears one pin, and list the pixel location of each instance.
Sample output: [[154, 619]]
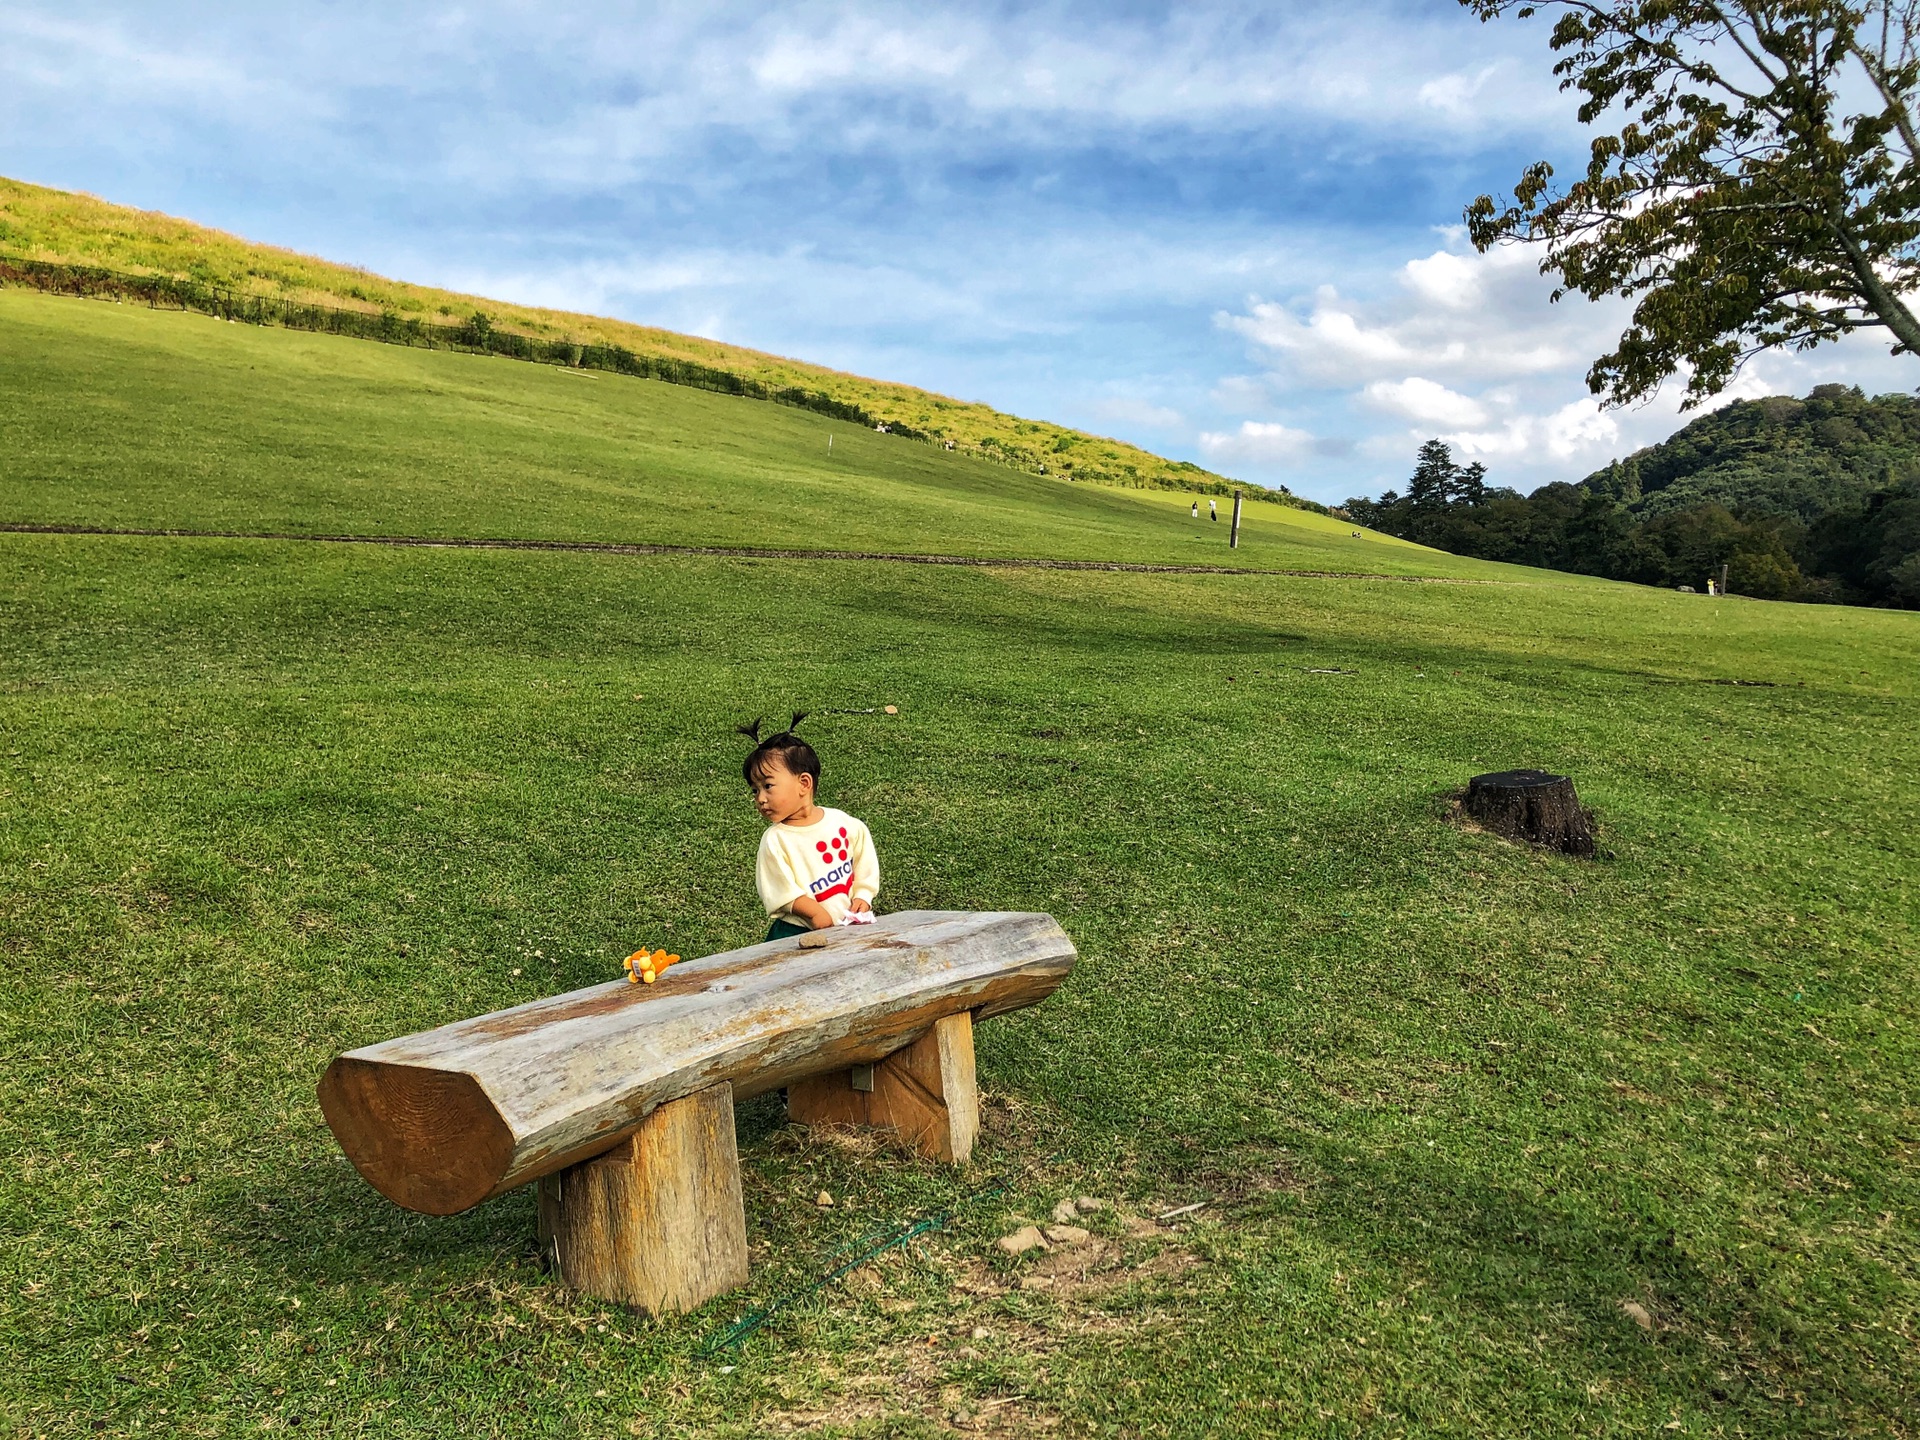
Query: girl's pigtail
[[752, 732], [798, 716]]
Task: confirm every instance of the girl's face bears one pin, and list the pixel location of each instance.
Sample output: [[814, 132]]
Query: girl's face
[[778, 793]]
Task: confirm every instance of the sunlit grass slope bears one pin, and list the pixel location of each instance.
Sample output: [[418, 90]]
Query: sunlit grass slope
[[1449, 1104], [55, 225], [119, 415]]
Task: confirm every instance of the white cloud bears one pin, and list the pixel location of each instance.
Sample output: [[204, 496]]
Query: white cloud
[[584, 97], [1242, 394], [1258, 442], [1473, 316], [1445, 278], [67, 54], [1579, 427], [1128, 411], [1462, 347], [1454, 93], [1195, 65], [1425, 402]]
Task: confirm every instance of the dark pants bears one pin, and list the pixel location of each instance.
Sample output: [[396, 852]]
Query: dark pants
[[781, 929]]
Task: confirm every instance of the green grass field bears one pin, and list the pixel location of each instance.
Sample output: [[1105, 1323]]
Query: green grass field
[[1449, 1103]]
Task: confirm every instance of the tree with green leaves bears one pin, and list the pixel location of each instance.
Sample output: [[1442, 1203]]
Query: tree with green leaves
[[1759, 187], [1433, 476]]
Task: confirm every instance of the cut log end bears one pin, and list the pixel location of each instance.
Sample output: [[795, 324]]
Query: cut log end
[[1531, 806], [430, 1140]]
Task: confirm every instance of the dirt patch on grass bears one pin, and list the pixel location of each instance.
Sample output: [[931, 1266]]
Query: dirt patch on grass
[[936, 1376]]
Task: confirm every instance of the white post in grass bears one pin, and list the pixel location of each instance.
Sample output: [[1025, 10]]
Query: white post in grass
[[829, 442], [1233, 535]]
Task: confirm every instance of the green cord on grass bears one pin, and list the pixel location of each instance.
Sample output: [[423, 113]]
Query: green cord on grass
[[729, 1336]]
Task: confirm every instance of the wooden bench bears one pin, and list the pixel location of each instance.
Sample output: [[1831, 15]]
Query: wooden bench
[[618, 1099]]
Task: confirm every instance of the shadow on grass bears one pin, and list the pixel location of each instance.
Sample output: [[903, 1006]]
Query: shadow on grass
[[1561, 1269], [322, 1220], [321, 1217]]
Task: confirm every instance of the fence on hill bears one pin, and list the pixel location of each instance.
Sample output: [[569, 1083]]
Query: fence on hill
[[480, 336]]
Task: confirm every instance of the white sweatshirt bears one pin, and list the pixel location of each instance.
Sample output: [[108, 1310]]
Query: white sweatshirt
[[832, 860]]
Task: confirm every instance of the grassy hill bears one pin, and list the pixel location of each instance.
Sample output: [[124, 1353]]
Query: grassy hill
[[1449, 1106], [38, 223], [120, 415]]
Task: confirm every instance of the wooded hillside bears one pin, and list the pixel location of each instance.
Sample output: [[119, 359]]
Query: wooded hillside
[[1815, 499]]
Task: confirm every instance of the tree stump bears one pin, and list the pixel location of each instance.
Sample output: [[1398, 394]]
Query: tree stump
[[925, 1093], [657, 1222], [1532, 806]]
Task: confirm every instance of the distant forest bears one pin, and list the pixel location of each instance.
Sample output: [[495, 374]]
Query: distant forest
[[1815, 499]]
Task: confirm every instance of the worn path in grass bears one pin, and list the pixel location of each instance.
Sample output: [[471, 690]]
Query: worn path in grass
[[1451, 1103], [733, 552]]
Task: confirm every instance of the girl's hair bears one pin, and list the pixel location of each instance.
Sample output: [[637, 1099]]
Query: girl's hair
[[786, 749]]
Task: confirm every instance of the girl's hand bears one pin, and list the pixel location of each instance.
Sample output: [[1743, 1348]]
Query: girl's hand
[[857, 904]]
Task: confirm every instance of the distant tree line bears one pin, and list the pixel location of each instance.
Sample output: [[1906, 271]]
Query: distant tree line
[[1813, 500]]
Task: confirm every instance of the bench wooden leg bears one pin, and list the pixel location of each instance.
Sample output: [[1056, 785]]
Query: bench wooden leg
[[926, 1092], [658, 1221]]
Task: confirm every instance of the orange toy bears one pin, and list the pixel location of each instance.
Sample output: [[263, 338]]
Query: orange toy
[[644, 965]]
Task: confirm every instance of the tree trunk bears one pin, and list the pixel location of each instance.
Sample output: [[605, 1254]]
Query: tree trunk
[[1532, 806]]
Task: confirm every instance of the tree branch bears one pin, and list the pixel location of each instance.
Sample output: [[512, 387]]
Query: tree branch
[[1880, 299]]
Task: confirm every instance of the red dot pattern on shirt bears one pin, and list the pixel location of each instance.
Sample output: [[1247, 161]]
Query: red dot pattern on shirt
[[834, 849]]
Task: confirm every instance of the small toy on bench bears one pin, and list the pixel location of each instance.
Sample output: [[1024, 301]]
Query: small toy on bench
[[646, 965]]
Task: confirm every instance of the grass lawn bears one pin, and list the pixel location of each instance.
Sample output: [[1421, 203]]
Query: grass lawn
[[1450, 1104]]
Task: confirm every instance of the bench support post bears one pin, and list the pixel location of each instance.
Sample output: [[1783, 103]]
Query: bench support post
[[926, 1092], [657, 1222]]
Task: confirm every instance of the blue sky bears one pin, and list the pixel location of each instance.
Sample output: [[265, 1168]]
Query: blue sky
[[1227, 233]]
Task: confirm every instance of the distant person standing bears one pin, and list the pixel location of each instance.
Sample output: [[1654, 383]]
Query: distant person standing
[[1213, 511], [1196, 509]]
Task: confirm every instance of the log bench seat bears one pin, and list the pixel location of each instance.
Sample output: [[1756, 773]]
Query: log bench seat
[[618, 1099]]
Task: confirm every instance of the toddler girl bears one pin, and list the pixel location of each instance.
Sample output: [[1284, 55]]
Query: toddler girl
[[817, 868]]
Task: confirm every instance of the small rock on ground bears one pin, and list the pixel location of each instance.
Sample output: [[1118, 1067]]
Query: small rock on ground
[[1088, 1205], [1065, 1213], [1066, 1235], [1028, 1237]]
